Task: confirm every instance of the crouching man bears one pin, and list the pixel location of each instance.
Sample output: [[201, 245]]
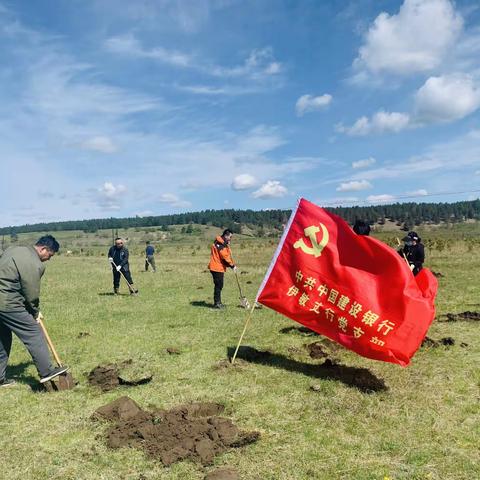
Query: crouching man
[[21, 269]]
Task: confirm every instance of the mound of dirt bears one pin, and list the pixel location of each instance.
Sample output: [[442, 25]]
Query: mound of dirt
[[464, 316], [193, 431], [223, 474], [438, 274], [249, 282], [109, 376], [323, 348], [173, 351], [431, 343], [83, 335], [244, 272], [226, 364], [199, 288]]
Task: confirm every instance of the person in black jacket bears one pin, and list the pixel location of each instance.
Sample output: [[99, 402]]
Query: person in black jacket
[[118, 257], [414, 251], [361, 227]]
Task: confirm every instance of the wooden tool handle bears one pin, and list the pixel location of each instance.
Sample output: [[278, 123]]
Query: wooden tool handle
[[49, 340]]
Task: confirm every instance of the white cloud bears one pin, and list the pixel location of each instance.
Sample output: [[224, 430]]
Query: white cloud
[[309, 103], [354, 186], [381, 122], [447, 98], [367, 162], [173, 200], [145, 213], [129, 45], [270, 189], [244, 181], [418, 193], [99, 144], [259, 64], [110, 196], [384, 198], [414, 40]]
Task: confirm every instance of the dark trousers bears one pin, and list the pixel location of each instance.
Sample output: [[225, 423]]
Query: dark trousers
[[25, 327], [117, 276], [218, 286], [150, 260]]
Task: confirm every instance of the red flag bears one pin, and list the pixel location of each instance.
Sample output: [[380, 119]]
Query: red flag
[[353, 289]]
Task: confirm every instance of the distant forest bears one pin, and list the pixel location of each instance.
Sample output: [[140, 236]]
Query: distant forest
[[406, 215]]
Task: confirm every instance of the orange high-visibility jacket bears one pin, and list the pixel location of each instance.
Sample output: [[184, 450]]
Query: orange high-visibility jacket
[[220, 256]]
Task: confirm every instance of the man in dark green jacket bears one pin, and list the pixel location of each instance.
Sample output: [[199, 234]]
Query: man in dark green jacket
[[21, 269]]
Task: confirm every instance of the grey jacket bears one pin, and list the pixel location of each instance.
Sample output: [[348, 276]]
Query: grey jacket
[[20, 273]]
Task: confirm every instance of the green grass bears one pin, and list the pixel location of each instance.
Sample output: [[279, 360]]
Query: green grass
[[426, 426]]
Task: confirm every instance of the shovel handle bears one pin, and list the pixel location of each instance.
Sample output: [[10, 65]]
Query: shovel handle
[[49, 340]]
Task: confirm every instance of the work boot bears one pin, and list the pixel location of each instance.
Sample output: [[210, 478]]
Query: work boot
[[7, 382], [54, 373], [133, 290], [116, 291]]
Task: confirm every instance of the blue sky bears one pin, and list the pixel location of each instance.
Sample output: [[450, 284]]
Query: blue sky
[[120, 108]]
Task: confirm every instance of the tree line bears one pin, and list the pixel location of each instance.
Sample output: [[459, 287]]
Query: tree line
[[406, 215]]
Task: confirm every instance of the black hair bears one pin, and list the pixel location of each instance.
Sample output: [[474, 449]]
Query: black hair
[[361, 227], [119, 238], [227, 232], [148, 242], [49, 242]]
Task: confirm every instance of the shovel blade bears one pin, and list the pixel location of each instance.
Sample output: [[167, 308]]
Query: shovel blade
[[65, 381]]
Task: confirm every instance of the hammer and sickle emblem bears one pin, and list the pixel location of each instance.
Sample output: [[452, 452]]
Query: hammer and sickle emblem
[[316, 248]]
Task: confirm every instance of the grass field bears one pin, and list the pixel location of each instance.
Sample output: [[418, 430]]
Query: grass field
[[426, 426]]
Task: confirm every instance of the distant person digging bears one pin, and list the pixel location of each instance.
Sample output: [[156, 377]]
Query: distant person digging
[[220, 260], [413, 252], [149, 257], [118, 258], [21, 269]]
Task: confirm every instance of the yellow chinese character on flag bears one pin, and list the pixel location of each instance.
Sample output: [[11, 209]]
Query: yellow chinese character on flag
[[343, 302], [342, 323], [322, 290], [376, 341], [387, 325], [355, 309], [330, 314], [332, 295], [316, 307], [293, 291], [299, 276], [357, 332], [303, 299], [310, 283], [369, 318]]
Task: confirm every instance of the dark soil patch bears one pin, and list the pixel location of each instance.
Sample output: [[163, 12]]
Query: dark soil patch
[[194, 431], [300, 330], [199, 288], [173, 351], [462, 317], [244, 272], [431, 343], [249, 282], [438, 274], [169, 270], [226, 364], [83, 335], [223, 474], [110, 376]]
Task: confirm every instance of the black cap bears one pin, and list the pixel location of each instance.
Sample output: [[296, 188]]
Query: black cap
[[411, 236]]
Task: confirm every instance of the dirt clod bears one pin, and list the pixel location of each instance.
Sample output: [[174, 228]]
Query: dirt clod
[[83, 335], [323, 348], [431, 343], [464, 316], [109, 376], [223, 474], [193, 431], [249, 282], [438, 274], [226, 364], [199, 288], [173, 351]]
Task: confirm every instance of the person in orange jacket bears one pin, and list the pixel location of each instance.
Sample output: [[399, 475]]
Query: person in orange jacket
[[220, 260]]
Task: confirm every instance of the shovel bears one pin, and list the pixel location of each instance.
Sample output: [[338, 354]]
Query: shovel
[[64, 381], [130, 288], [244, 303]]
